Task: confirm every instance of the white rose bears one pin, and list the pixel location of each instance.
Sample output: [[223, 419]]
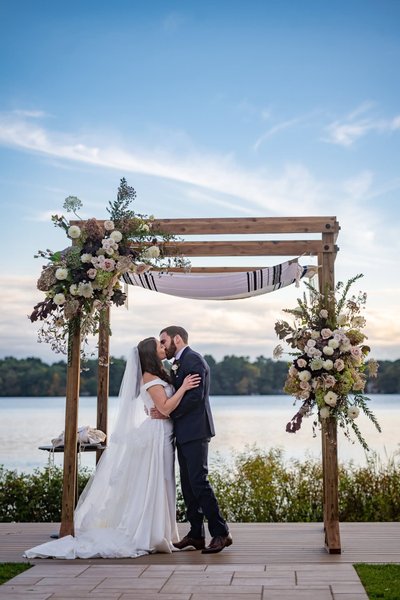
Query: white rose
[[73, 289], [333, 344], [323, 313], [116, 236], [311, 343], [152, 252], [59, 299], [108, 225], [327, 365], [353, 412], [328, 351], [86, 258], [324, 412], [304, 375], [74, 232], [330, 398], [61, 273]]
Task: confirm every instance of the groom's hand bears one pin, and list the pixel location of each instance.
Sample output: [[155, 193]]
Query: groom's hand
[[155, 414]]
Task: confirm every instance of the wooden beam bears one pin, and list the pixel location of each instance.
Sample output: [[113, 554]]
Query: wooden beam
[[252, 248], [247, 225], [244, 225], [70, 436], [329, 426], [103, 374]]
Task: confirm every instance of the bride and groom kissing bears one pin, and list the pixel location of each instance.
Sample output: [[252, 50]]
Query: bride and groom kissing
[[128, 507]]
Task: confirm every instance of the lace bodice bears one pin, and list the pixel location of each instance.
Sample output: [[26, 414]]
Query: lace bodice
[[147, 400]]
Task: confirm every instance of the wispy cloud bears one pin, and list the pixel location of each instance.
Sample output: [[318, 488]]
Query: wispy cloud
[[292, 191], [30, 114], [346, 131], [276, 129]]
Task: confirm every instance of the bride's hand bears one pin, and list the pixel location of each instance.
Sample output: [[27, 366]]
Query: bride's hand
[[191, 381]]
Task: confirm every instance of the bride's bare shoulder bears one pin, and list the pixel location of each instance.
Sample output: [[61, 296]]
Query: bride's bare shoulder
[[149, 377]]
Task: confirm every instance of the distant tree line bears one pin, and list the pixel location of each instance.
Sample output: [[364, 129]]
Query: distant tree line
[[233, 375]]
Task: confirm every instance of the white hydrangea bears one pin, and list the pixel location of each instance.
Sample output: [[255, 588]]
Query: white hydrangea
[[304, 375]]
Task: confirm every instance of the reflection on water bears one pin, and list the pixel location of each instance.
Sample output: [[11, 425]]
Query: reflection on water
[[240, 421]]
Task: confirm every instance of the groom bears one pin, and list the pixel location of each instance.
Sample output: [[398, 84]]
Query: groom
[[193, 428]]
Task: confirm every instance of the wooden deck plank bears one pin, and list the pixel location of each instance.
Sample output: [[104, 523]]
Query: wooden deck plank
[[254, 543]]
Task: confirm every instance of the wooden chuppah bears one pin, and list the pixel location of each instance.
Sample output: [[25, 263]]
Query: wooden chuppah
[[322, 245]]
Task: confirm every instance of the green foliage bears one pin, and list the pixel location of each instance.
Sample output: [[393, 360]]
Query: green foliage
[[381, 582], [34, 497], [119, 209], [10, 570], [262, 487]]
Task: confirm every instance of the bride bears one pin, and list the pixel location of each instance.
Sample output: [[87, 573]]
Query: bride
[[127, 508]]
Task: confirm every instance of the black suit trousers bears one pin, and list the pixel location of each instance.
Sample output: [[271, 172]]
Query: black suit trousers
[[197, 492]]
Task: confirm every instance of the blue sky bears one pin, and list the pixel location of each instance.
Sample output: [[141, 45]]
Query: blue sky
[[208, 109]]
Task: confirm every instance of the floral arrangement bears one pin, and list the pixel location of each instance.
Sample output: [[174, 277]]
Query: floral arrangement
[[330, 369], [84, 279]]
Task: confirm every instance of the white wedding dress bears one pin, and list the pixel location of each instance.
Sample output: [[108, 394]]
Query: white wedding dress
[[128, 507]]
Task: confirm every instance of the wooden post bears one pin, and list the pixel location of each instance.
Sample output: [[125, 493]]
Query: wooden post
[[329, 426], [103, 374], [71, 428]]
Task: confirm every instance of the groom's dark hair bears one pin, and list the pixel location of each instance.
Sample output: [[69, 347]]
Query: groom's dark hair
[[174, 330]]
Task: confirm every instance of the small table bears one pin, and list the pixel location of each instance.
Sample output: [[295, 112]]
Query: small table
[[80, 448]]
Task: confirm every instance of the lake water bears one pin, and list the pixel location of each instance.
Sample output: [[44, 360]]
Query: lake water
[[240, 421]]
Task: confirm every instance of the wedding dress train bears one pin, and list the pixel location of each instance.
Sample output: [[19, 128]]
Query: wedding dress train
[[128, 506]]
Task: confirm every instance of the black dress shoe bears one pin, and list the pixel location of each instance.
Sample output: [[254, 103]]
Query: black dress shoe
[[218, 543], [188, 543]]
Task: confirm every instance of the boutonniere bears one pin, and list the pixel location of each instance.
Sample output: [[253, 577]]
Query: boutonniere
[[175, 366]]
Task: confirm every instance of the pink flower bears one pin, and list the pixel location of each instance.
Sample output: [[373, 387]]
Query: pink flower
[[92, 273], [339, 364], [109, 265], [326, 333]]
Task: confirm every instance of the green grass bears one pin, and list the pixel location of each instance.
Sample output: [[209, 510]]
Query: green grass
[[10, 570], [381, 582]]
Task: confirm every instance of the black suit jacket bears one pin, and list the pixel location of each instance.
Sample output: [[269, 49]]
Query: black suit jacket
[[192, 417]]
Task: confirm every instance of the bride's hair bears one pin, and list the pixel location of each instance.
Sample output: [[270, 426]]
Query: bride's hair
[[149, 360]]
